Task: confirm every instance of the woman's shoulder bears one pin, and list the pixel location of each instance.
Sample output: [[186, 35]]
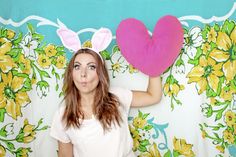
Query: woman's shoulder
[[60, 109], [116, 90], [124, 95]]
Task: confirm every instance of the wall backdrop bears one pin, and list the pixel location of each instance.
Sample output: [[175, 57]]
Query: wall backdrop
[[197, 113]]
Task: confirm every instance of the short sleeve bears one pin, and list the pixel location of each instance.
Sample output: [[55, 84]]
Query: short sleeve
[[57, 129], [124, 96]]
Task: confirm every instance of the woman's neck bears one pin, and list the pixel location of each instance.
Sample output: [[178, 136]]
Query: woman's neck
[[87, 102]]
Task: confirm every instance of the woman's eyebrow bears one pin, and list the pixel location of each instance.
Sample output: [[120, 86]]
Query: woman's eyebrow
[[76, 62], [91, 63]]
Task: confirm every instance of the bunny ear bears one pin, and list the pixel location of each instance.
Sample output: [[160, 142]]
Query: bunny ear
[[69, 39], [101, 39]]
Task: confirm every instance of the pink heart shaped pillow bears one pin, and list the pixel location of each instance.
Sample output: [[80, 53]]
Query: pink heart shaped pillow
[[151, 55]]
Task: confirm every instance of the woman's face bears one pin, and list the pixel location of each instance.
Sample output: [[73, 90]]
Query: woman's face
[[85, 73]]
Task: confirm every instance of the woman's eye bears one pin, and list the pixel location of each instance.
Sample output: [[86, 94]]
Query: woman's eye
[[92, 67], [76, 66]]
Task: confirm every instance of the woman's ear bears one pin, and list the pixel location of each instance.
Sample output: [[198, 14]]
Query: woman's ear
[[101, 39], [69, 39]]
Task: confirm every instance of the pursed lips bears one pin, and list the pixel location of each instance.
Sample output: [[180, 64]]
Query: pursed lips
[[83, 83]]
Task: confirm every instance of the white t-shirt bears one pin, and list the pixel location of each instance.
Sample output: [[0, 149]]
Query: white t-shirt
[[90, 140]]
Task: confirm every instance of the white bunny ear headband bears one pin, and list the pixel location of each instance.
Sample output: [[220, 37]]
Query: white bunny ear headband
[[100, 39]]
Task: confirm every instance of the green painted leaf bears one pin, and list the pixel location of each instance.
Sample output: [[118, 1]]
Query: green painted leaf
[[106, 55], [53, 71], [205, 31], [44, 73], [145, 143], [140, 114], [57, 76], [179, 62], [142, 148], [9, 145], [175, 153], [3, 131], [18, 39], [43, 128], [38, 37], [148, 127], [60, 53], [217, 27], [193, 61], [42, 84], [4, 33], [167, 154], [57, 87], [60, 48], [2, 114], [198, 54], [145, 115], [210, 92], [30, 27], [219, 114], [14, 52], [178, 102], [115, 49]]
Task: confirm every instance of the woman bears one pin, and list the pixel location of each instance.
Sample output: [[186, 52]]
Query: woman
[[94, 120]]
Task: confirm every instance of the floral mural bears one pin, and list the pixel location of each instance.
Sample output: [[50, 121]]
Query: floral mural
[[207, 62], [25, 62]]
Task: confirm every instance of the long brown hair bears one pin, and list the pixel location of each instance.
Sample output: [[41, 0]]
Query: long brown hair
[[105, 105]]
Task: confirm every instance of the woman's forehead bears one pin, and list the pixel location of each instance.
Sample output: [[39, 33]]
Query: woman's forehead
[[84, 57]]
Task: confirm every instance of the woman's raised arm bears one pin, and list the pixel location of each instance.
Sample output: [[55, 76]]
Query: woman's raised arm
[[149, 97]]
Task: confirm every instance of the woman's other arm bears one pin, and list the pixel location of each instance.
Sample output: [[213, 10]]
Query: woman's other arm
[[149, 97], [65, 149]]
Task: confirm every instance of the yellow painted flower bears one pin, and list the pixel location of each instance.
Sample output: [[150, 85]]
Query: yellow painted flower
[[87, 44], [228, 136], [213, 101], [136, 143], [2, 151], [226, 45], [230, 118], [33, 80], [6, 62], [10, 34], [206, 47], [134, 132], [207, 72], [139, 122], [152, 152], [44, 61], [29, 133], [182, 147], [229, 69], [25, 64], [211, 36], [60, 62], [227, 93], [116, 67], [23, 152], [132, 69], [166, 89], [50, 50], [10, 97], [172, 89], [136, 137], [204, 134], [220, 148], [5, 46]]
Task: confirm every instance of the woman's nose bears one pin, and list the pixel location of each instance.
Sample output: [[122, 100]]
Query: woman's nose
[[83, 73]]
